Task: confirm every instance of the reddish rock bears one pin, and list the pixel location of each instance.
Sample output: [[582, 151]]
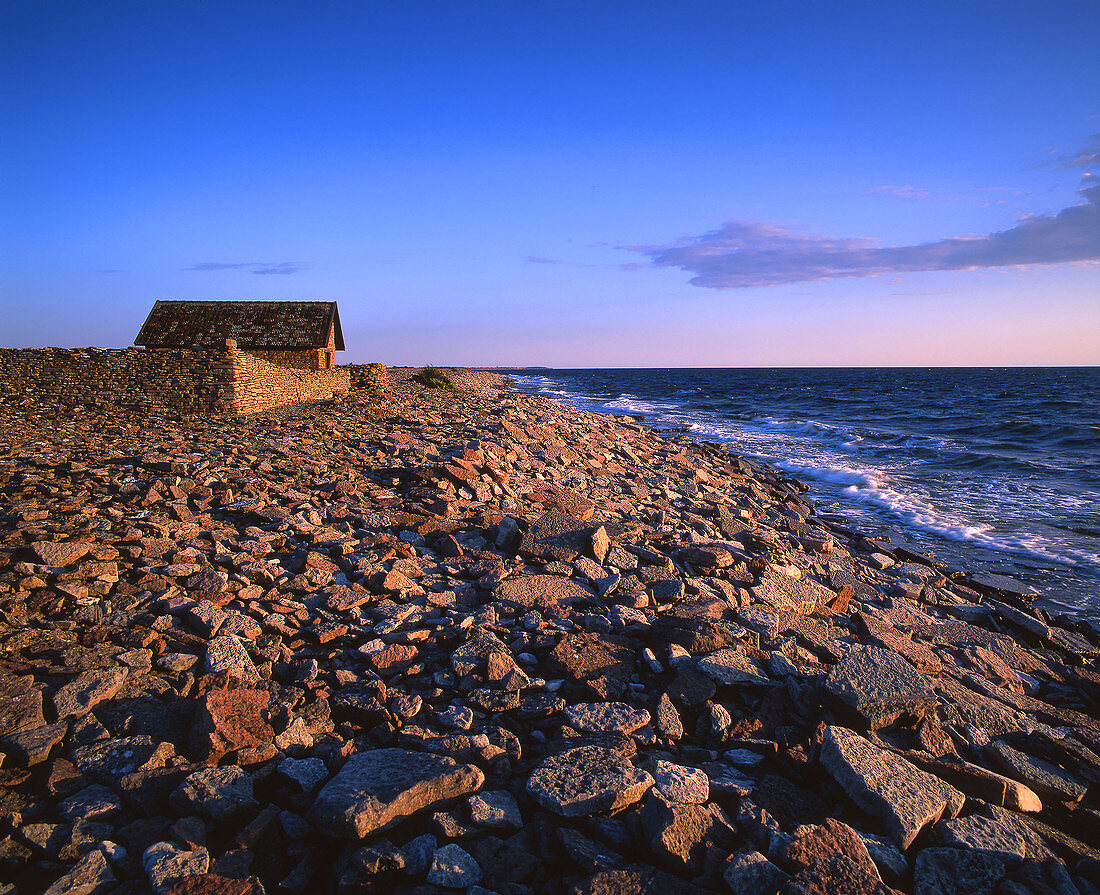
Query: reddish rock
[[681, 834], [833, 874], [59, 553], [602, 665], [827, 838], [392, 657], [544, 592], [885, 634], [212, 884], [230, 719]]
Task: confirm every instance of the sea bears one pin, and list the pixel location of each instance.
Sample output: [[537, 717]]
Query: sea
[[992, 469]]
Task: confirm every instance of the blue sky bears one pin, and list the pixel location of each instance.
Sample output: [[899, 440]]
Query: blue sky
[[558, 183]]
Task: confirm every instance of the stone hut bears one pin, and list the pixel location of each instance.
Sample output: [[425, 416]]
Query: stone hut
[[302, 335]]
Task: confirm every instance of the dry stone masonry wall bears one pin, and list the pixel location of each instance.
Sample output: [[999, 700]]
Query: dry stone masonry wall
[[258, 384], [194, 380]]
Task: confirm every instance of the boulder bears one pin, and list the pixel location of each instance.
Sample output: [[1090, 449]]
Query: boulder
[[587, 780], [378, 789], [887, 786], [879, 686]]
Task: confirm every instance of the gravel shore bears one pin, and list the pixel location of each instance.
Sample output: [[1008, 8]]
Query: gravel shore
[[429, 641]]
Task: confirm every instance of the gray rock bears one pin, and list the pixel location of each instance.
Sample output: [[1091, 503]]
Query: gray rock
[[668, 719], [879, 686], [953, 871], [743, 758], [80, 696], [587, 780], [453, 868], [764, 621], [588, 853], [91, 802], [732, 667], [750, 873], [606, 717], [226, 654], [215, 793], [375, 790], [165, 864], [885, 854], [886, 785], [111, 760], [418, 853], [497, 809], [685, 786], [983, 834], [1047, 779], [306, 772], [1020, 619]]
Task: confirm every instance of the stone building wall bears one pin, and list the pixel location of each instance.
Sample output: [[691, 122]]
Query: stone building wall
[[225, 380], [257, 383]]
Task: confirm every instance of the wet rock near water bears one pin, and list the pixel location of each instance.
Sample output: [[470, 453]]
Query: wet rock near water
[[417, 641]]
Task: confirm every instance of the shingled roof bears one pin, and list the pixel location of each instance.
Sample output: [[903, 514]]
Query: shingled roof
[[253, 324]]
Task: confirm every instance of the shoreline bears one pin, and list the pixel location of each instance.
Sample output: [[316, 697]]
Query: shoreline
[[907, 479], [580, 655]]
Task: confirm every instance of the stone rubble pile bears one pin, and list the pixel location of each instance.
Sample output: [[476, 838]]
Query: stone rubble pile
[[430, 642]]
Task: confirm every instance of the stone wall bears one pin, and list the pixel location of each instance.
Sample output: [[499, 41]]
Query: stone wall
[[137, 378], [258, 384], [225, 380]]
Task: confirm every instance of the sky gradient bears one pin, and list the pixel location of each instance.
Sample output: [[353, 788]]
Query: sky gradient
[[563, 184]]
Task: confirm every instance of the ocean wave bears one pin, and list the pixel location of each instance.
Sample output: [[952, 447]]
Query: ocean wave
[[935, 468]]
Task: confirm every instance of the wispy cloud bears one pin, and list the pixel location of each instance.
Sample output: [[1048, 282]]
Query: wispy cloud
[[1088, 156], [282, 267], [900, 192], [744, 254]]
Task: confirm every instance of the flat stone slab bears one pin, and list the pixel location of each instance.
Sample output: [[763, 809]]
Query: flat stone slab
[[606, 717], [879, 686], [953, 871], [20, 705], [782, 591], [1048, 780], [59, 553], [540, 592], [378, 789], [556, 535], [886, 785], [984, 834], [587, 780], [732, 667], [216, 793], [80, 696]]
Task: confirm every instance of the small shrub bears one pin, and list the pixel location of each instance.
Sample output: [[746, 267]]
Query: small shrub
[[433, 377]]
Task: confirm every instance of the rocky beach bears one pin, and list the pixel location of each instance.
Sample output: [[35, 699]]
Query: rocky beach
[[414, 640]]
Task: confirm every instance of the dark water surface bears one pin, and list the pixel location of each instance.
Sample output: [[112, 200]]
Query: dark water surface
[[994, 469]]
